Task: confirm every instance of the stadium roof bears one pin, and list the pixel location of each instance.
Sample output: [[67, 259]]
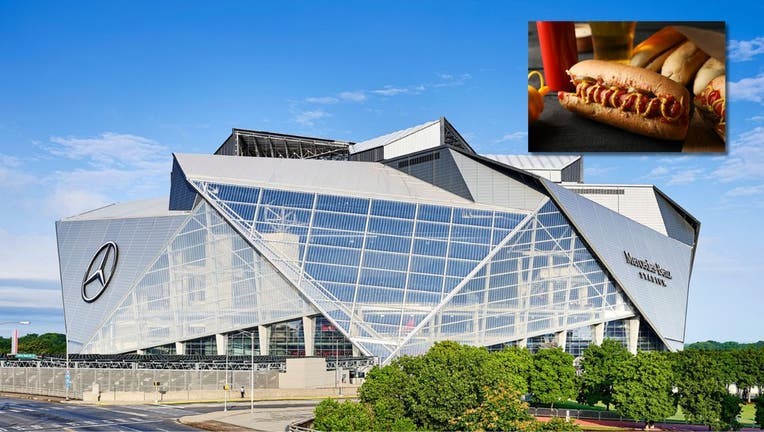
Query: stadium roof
[[132, 209], [535, 162], [362, 179]]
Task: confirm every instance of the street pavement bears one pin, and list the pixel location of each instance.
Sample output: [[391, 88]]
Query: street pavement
[[19, 415], [22, 415]]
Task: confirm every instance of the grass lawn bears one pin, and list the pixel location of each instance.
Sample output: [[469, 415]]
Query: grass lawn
[[746, 414]]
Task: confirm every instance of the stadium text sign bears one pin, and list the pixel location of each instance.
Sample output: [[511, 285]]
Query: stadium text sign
[[652, 272]]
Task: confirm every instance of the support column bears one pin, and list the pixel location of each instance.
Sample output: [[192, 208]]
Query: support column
[[264, 334], [561, 338], [633, 328], [522, 343], [356, 351], [309, 332], [141, 352], [180, 348], [598, 333], [221, 342]]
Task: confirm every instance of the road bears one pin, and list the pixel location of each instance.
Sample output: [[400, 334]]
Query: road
[[20, 415]]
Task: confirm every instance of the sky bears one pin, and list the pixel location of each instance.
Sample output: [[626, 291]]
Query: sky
[[95, 96]]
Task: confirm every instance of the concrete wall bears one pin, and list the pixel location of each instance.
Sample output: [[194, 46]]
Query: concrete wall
[[305, 377], [307, 373]]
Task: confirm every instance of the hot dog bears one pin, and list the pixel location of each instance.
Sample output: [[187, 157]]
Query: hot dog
[[628, 97], [653, 51], [711, 103]]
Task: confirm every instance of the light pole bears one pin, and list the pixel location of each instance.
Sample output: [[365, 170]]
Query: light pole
[[252, 367]]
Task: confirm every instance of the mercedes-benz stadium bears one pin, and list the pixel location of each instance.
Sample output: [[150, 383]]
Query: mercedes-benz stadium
[[300, 246]]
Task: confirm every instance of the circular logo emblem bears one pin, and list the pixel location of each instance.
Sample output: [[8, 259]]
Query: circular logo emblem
[[99, 272]]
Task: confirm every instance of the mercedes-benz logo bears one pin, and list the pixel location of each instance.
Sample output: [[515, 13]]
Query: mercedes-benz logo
[[100, 271]]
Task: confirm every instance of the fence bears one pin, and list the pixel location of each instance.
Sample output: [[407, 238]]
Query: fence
[[52, 381]]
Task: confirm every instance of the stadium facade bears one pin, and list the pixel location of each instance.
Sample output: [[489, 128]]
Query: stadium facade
[[294, 245]]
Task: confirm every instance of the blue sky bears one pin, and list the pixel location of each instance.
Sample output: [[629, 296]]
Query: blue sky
[[94, 96]]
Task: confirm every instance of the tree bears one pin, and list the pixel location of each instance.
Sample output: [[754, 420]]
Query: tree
[[599, 366], [745, 369], [449, 379], [730, 410], [553, 376], [502, 410], [510, 366], [331, 415], [759, 416], [642, 388], [701, 386]]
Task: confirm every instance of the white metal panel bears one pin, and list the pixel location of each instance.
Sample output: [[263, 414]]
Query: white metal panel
[[139, 241], [389, 138], [610, 234], [424, 138], [636, 202]]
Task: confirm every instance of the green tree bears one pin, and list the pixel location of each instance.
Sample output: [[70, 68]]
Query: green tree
[[599, 367], [32, 343], [501, 410], [331, 415], [449, 379], [553, 376], [559, 424], [701, 386], [642, 388], [759, 416], [510, 366], [730, 410], [746, 369]]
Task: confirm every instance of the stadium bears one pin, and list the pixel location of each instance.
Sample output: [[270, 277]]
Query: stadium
[[285, 245]]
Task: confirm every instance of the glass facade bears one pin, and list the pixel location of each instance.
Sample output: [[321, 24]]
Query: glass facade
[[577, 340], [242, 343], [168, 349], [207, 280], [536, 343], [202, 346], [287, 339], [617, 330], [647, 339], [380, 268], [330, 342]]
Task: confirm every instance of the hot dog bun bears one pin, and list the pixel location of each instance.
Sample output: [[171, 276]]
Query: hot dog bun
[[711, 103], [647, 84], [655, 46], [711, 69], [682, 64], [629, 76]]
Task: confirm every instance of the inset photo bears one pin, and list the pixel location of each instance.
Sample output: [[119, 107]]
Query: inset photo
[[627, 86]]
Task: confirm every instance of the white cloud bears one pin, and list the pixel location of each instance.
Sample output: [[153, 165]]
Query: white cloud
[[120, 167], [746, 191], [746, 158], [513, 136], [12, 177], [389, 90], [28, 256], [756, 118], [738, 51], [20, 297], [686, 176], [747, 89], [353, 96], [450, 80], [322, 100], [110, 149], [307, 118], [658, 171]]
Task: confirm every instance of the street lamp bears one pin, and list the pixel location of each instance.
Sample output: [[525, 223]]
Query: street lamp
[[252, 366]]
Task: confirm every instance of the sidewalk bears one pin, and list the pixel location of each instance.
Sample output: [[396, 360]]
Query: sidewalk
[[263, 419]]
